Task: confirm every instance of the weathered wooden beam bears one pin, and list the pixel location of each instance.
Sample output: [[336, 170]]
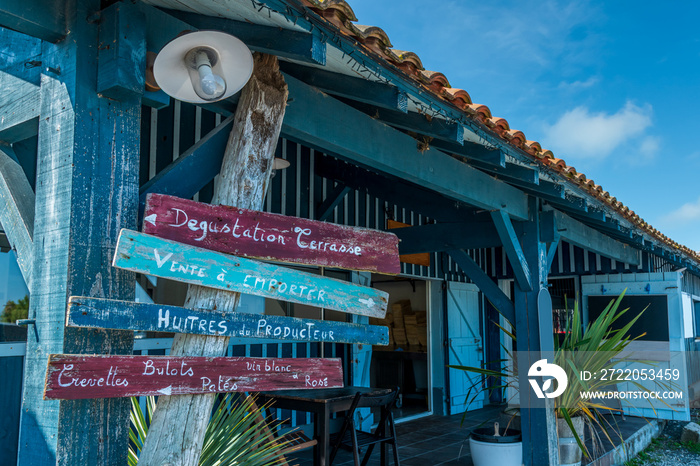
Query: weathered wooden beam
[[486, 285], [314, 117], [513, 249], [393, 190], [335, 197], [425, 125], [177, 430], [588, 238], [36, 18], [17, 213], [437, 237], [533, 320], [510, 173], [19, 108], [119, 75], [357, 89], [86, 191], [472, 152], [305, 47], [196, 167]]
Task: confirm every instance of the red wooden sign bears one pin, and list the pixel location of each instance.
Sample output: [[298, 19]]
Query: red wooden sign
[[270, 236], [71, 377]]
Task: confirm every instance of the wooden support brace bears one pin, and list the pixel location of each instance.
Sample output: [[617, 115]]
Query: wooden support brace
[[305, 47], [333, 198], [357, 89], [196, 167], [36, 18], [17, 213], [19, 108], [177, 431], [588, 238], [486, 285], [122, 37], [315, 118], [438, 237], [401, 193], [415, 122], [513, 249]]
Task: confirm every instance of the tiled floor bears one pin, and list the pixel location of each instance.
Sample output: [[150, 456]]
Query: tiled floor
[[429, 441], [442, 440]]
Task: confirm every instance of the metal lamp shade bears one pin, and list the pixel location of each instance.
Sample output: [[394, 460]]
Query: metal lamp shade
[[234, 64]]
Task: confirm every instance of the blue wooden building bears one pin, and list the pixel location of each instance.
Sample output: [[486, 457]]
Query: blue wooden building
[[497, 221]]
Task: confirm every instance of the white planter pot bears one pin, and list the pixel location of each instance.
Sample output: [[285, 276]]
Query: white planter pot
[[569, 451], [489, 450]]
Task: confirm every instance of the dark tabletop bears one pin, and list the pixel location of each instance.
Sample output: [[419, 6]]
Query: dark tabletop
[[324, 395]]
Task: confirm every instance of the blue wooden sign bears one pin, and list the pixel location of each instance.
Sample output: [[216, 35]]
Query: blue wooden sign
[[123, 315], [147, 254]]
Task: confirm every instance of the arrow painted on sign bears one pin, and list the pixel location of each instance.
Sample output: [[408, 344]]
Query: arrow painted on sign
[[151, 219], [367, 302], [162, 261], [167, 390]]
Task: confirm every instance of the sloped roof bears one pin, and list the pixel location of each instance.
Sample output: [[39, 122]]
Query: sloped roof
[[375, 40]]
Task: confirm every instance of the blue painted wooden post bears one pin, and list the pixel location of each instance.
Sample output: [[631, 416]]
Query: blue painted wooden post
[[534, 336], [361, 356], [86, 191]]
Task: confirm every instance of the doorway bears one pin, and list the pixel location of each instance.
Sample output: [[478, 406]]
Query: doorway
[[405, 361]]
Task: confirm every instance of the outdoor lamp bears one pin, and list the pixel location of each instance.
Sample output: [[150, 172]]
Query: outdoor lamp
[[203, 66], [278, 164]]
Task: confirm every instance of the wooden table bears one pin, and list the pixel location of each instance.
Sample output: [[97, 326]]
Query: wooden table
[[322, 403]]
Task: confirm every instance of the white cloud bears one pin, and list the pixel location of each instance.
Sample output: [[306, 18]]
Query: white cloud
[[579, 85], [580, 133], [684, 214]]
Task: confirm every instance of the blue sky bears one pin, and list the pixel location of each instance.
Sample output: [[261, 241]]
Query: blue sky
[[610, 87]]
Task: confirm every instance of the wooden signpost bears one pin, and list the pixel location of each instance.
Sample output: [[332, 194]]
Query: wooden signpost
[[143, 253], [107, 313], [270, 236], [71, 377]]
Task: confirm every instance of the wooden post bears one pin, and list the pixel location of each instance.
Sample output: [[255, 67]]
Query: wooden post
[[177, 431], [535, 339], [86, 192]]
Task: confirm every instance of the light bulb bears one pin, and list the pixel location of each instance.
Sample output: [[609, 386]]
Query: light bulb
[[204, 67], [211, 84]]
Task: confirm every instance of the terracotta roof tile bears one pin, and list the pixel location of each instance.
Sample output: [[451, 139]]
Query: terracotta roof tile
[[341, 16], [481, 112], [499, 125], [407, 61], [533, 148], [515, 137], [434, 80], [372, 37], [459, 97]]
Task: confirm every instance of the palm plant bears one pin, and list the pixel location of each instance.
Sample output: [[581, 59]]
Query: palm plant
[[596, 349], [234, 436]]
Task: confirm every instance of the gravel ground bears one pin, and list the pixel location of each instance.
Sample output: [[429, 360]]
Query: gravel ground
[[666, 450]]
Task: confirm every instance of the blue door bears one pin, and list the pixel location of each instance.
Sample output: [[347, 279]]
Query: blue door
[[465, 347]]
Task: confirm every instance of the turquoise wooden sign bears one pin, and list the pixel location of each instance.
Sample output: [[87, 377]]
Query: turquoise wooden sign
[[147, 254], [123, 315]]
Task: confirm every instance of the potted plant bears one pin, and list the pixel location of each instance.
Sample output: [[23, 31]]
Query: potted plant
[[596, 348]]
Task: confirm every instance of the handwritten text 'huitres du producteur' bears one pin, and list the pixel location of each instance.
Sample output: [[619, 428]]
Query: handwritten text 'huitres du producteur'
[[218, 326]]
